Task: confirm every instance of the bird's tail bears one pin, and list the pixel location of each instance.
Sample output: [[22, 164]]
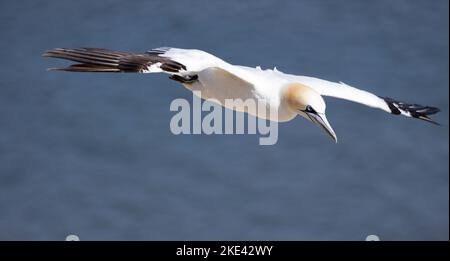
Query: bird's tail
[[411, 110]]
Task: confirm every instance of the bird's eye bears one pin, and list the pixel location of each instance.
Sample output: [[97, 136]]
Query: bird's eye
[[309, 109]]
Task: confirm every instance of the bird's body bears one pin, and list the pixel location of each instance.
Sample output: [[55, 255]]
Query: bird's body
[[219, 85], [283, 96]]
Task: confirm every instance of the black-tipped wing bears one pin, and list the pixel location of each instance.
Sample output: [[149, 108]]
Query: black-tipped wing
[[103, 60], [343, 91]]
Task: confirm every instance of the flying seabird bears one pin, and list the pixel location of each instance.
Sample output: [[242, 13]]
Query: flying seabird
[[289, 95]]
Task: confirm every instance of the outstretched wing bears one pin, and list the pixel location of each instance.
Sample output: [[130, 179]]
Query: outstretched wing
[[182, 64], [346, 92]]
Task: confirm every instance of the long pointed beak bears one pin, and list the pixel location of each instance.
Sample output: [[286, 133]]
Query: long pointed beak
[[321, 121]]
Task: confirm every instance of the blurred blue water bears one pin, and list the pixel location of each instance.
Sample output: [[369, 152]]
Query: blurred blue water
[[93, 155]]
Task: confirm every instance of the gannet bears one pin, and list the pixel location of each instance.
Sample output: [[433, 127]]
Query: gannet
[[213, 78]]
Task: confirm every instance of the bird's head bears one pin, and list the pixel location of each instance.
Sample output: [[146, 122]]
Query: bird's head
[[309, 104]]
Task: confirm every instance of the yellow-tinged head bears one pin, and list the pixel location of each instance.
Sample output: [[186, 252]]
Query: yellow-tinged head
[[308, 103], [299, 96]]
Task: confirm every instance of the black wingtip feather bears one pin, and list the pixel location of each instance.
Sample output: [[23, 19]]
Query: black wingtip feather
[[414, 110]]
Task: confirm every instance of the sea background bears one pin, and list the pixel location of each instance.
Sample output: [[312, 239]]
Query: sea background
[[93, 155]]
